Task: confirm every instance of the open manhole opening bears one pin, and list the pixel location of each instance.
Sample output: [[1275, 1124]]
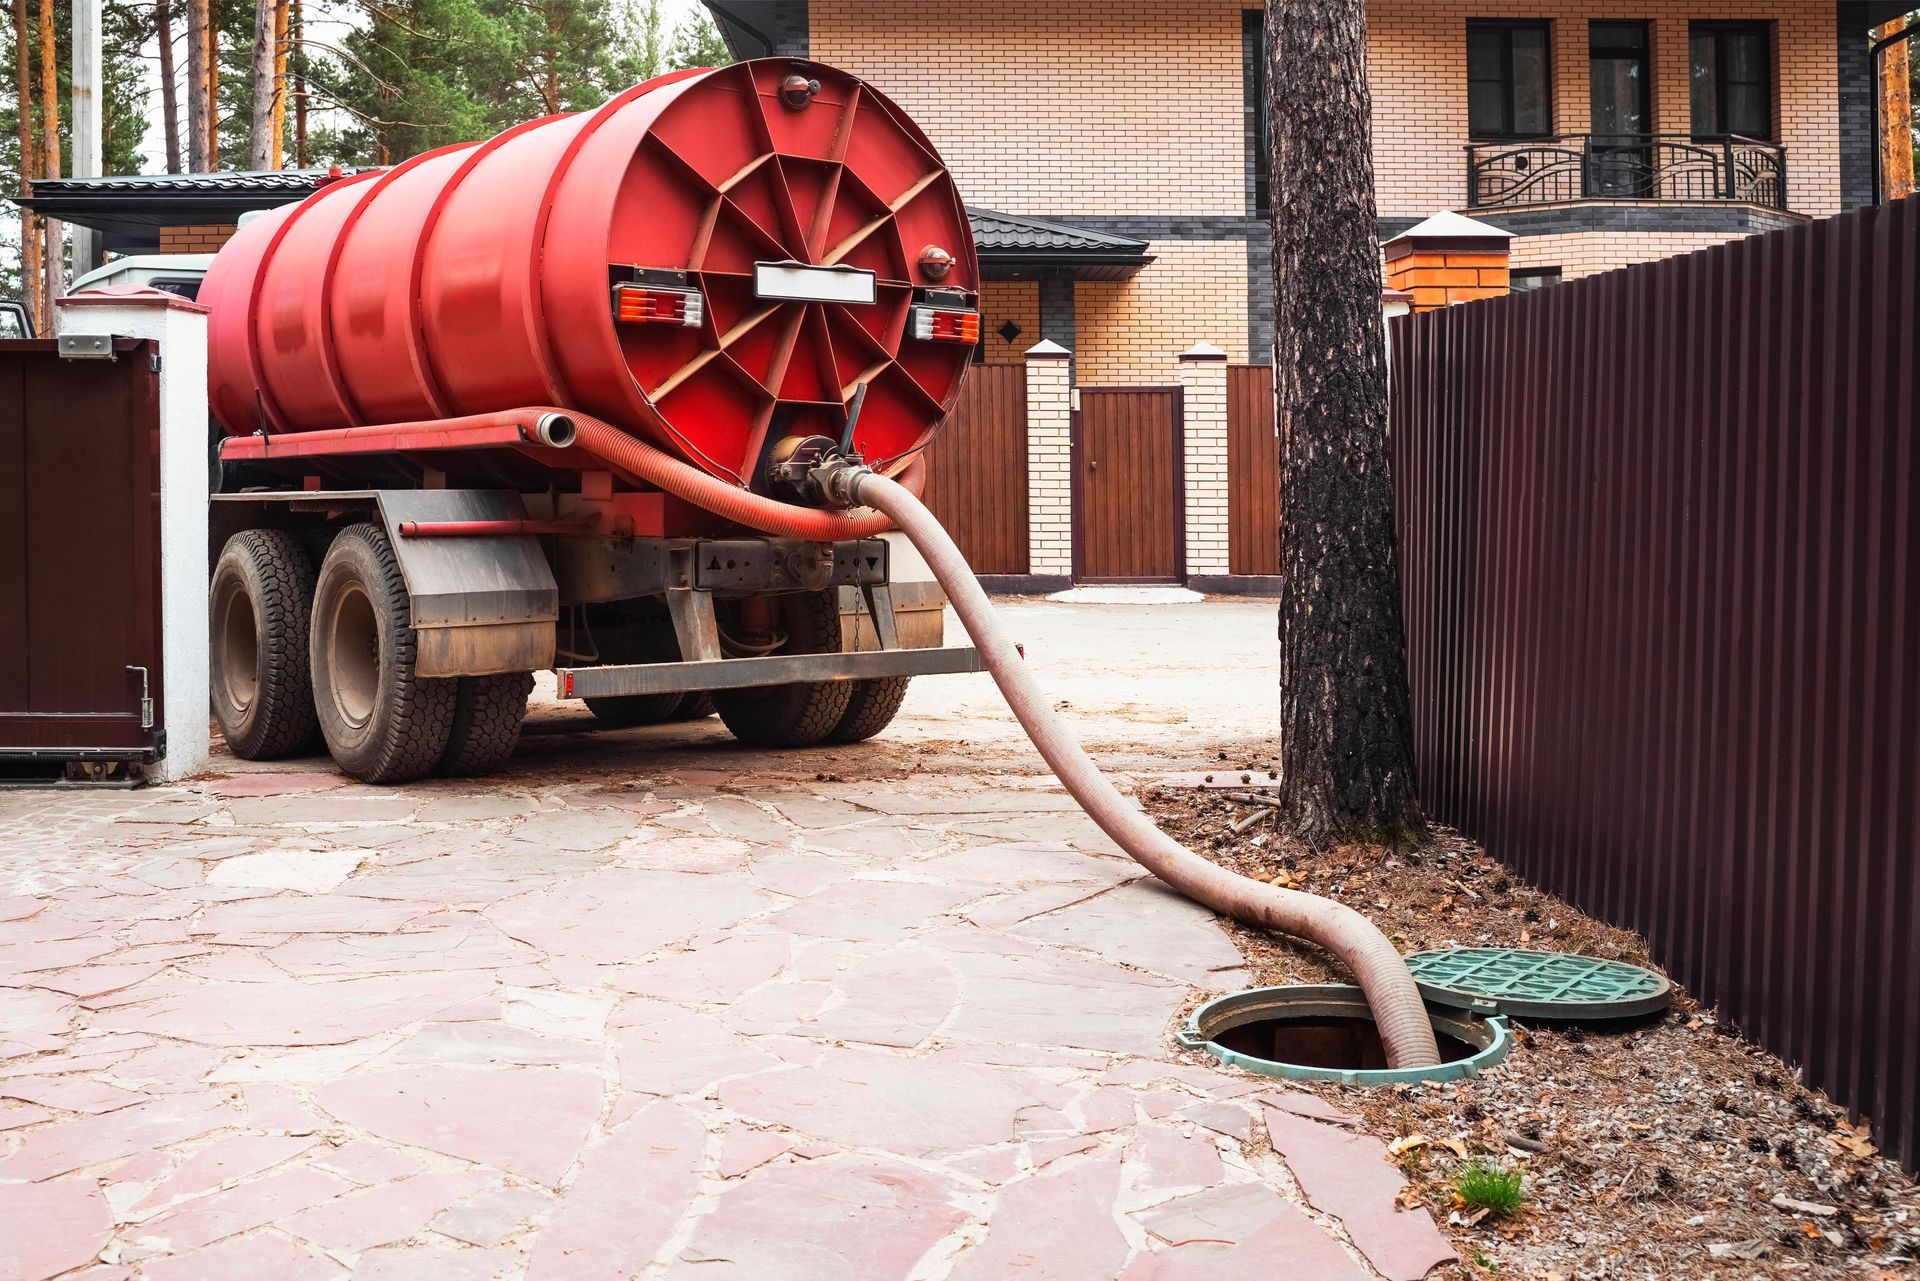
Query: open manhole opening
[[1325, 1032]]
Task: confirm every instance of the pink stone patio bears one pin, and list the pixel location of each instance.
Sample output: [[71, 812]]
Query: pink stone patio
[[599, 1024]]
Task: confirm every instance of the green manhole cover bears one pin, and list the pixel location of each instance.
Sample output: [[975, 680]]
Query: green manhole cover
[[1546, 985]]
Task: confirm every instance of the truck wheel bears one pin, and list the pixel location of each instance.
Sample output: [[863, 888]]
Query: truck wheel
[[259, 600], [695, 706], [487, 711], [383, 723], [633, 709], [797, 715], [871, 709]]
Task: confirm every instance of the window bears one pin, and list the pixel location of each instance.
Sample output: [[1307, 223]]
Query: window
[[1253, 59], [1732, 79], [1509, 86], [1532, 278]]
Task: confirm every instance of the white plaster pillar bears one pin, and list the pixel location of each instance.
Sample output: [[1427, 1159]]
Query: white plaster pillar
[[1203, 428], [180, 328], [1049, 460]]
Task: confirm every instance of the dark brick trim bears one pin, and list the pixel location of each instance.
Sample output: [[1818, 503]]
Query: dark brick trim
[[1024, 584], [1628, 219], [1852, 28], [1235, 584]]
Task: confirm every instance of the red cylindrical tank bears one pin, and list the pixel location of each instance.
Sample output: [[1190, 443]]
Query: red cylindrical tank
[[493, 275]]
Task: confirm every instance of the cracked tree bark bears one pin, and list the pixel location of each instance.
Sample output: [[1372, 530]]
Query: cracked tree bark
[[1346, 720]]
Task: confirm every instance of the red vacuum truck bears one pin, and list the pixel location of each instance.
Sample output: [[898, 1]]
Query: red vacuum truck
[[528, 403], [633, 394]]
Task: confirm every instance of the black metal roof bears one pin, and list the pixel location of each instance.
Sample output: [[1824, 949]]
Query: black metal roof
[[1014, 247], [131, 208]]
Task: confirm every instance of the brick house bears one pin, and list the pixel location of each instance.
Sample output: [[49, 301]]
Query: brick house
[[1586, 135], [1111, 155]]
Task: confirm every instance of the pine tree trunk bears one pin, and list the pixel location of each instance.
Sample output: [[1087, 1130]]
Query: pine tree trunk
[[1346, 719], [261, 124], [197, 122], [297, 25], [1896, 115], [54, 257], [213, 87], [30, 269], [282, 19], [169, 91]]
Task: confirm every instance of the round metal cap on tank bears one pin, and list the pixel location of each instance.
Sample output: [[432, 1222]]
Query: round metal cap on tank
[[711, 261]]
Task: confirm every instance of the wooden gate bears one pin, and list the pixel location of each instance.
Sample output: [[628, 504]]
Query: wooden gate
[[977, 470], [1253, 472], [1128, 512], [79, 554]]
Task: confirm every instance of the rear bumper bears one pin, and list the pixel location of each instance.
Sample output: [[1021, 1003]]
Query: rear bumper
[[777, 669]]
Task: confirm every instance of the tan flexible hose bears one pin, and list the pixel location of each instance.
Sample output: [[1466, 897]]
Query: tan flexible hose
[[1401, 1015], [1398, 1010]]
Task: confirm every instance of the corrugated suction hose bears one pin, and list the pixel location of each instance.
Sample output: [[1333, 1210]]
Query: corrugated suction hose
[[1398, 1010], [1406, 1030]]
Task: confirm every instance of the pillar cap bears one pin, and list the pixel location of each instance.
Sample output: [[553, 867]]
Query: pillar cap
[[1203, 351], [1448, 231], [1047, 349], [130, 296]]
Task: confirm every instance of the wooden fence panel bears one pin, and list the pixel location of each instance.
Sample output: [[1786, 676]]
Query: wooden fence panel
[[1253, 472], [977, 470], [1660, 535]]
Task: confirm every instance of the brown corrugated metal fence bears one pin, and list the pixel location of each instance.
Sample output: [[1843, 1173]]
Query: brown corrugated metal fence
[[1660, 532], [977, 470]]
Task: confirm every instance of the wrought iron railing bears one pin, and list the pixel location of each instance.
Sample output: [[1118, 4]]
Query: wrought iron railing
[[1590, 166]]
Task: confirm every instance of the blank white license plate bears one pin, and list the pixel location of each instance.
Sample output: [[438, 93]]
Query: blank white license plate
[[796, 282]]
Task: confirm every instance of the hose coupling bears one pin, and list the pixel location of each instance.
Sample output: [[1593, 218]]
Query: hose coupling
[[814, 471]]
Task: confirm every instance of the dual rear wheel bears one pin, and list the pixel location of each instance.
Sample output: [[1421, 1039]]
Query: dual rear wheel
[[297, 651], [300, 654]]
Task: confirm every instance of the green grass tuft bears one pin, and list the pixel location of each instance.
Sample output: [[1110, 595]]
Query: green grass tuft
[[1483, 1185]]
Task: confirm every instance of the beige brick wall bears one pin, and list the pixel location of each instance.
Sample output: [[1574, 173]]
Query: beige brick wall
[[1062, 107], [1133, 331], [1586, 253], [203, 239], [1203, 384], [1001, 301], [1049, 467], [1417, 59]]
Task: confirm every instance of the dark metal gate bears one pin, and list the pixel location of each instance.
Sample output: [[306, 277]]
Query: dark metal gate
[[1660, 531], [1128, 510], [79, 556], [977, 470]]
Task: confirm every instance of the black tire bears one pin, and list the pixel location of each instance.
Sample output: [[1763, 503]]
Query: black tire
[[382, 723], [695, 706], [634, 709], [487, 711], [871, 709], [259, 602], [797, 715]]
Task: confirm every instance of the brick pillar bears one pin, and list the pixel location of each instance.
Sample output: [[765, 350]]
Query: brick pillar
[[1049, 461], [1203, 432], [1448, 259]]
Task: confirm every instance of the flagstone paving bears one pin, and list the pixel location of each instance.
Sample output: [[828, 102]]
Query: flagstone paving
[[660, 1019]]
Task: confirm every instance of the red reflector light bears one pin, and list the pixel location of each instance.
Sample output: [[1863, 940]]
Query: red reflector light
[[647, 305], [944, 324]]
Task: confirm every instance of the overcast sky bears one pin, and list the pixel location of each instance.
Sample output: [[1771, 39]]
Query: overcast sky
[[325, 24]]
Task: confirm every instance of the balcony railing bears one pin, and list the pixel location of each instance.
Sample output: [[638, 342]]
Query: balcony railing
[[1588, 166]]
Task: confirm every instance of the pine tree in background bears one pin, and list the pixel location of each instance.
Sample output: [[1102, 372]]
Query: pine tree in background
[[697, 43], [20, 275]]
